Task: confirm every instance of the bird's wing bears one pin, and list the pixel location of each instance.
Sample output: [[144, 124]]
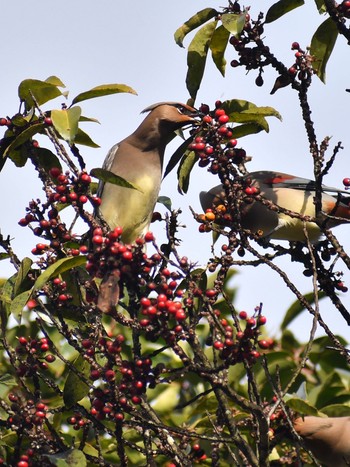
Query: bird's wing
[[107, 164], [282, 180]]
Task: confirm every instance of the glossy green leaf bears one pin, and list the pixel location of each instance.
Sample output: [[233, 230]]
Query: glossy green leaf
[[246, 129], [177, 156], [19, 156], [83, 138], [73, 458], [233, 22], [321, 6], [110, 177], [66, 122], [301, 406], [103, 90], [61, 265], [336, 410], [197, 56], [322, 44], [23, 137], [18, 303], [218, 46], [184, 171], [193, 23], [165, 200], [242, 111], [22, 274], [296, 308], [281, 8], [55, 81], [43, 91], [88, 119], [46, 158], [75, 389]]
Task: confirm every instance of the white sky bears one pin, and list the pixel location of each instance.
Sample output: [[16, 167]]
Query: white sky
[[88, 43]]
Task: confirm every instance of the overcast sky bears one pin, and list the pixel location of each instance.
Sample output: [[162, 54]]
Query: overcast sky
[[86, 43]]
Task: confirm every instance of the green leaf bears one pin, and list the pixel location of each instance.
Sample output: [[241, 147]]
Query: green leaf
[[46, 159], [109, 177], [322, 44], [241, 111], [178, 154], [218, 46], [233, 22], [88, 119], [22, 274], [165, 200], [296, 308], [336, 410], [73, 458], [18, 303], [83, 138], [75, 389], [55, 81], [66, 122], [299, 405], [246, 129], [193, 23], [197, 56], [184, 171], [61, 265], [281, 8], [321, 7], [23, 137], [103, 90], [43, 91]]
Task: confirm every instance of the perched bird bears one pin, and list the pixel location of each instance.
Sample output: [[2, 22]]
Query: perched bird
[[288, 192], [139, 160], [327, 438]]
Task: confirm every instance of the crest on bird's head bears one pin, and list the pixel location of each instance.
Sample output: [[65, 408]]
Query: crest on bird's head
[[183, 108]]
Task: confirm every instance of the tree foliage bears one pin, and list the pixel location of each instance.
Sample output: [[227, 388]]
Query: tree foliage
[[174, 375]]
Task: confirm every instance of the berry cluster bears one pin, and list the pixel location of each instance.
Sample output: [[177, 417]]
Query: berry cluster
[[64, 190], [25, 414], [243, 345], [303, 63], [344, 8], [77, 421], [33, 355], [129, 380], [215, 145]]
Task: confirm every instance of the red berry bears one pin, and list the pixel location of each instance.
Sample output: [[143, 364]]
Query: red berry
[[23, 222], [48, 121], [62, 298], [110, 375], [218, 345], [243, 315], [4, 121], [23, 340], [149, 237], [295, 46], [210, 293], [207, 119], [262, 320], [83, 199], [55, 172], [346, 181], [263, 344], [97, 239], [85, 178], [219, 113], [223, 119], [251, 322]]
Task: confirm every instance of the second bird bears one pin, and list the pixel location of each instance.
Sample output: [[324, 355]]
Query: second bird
[[290, 193]]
